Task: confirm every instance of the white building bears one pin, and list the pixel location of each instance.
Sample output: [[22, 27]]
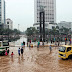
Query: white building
[[47, 25], [50, 10], [65, 24], [9, 23]]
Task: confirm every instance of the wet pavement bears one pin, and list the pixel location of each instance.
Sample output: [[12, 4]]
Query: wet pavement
[[35, 60]]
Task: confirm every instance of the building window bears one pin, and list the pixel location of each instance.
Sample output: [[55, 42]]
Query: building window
[[53, 27], [7, 22], [38, 28]]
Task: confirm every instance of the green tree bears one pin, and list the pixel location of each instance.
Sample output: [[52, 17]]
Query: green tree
[[31, 31]]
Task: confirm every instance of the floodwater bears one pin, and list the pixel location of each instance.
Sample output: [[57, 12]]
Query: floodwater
[[35, 60]]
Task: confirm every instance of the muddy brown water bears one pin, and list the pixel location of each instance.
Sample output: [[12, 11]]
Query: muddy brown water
[[34, 60]]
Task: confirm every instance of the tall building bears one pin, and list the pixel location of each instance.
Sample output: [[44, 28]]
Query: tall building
[[50, 10], [2, 12]]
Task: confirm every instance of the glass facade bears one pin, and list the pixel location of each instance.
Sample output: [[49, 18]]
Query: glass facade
[[2, 11], [50, 11]]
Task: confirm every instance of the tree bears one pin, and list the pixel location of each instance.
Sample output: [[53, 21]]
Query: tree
[[31, 31]]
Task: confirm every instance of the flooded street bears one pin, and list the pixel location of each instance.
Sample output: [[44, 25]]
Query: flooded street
[[34, 60]]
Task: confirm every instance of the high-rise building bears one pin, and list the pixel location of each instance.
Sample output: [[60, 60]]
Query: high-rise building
[[50, 10], [2, 12]]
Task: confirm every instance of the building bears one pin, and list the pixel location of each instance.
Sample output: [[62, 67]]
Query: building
[[50, 13], [2, 12], [47, 25], [4, 25], [9, 23], [50, 10], [65, 24]]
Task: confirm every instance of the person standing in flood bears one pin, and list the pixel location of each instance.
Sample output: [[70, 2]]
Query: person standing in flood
[[22, 51], [70, 42], [24, 43], [50, 48], [65, 41], [6, 52], [12, 55], [30, 41], [51, 41], [19, 51], [58, 43], [54, 39], [27, 44], [38, 44]]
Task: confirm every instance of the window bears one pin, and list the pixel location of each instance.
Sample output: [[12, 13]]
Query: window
[[38, 28], [53, 27], [7, 22], [68, 49]]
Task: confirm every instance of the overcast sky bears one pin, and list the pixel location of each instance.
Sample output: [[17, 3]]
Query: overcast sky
[[22, 12]]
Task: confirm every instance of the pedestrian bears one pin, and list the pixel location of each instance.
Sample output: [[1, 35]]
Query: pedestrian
[[70, 41], [24, 43], [8, 51], [58, 43], [12, 55], [54, 39], [22, 51], [41, 44], [51, 41], [19, 51], [65, 41], [27, 44], [38, 44], [30, 41], [50, 48]]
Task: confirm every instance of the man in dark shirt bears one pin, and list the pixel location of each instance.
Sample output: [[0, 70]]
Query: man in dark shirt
[[24, 43], [22, 50]]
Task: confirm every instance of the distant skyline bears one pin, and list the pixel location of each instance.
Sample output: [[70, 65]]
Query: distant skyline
[[22, 12]]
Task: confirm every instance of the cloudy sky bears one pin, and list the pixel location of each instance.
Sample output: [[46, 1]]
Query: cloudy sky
[[22, 12]]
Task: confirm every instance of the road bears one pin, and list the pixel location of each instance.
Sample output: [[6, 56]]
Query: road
[[35, 60]]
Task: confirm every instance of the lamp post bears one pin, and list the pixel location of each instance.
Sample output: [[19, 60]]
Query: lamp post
[[18, 26]]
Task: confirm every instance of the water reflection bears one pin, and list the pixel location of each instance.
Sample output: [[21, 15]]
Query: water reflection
[[22, 59], [19, 60], [12, 59]]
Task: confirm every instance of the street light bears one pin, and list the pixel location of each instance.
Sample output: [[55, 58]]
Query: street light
[[18, 26]]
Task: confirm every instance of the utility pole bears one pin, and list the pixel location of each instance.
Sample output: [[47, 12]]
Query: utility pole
[[18, 26]]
